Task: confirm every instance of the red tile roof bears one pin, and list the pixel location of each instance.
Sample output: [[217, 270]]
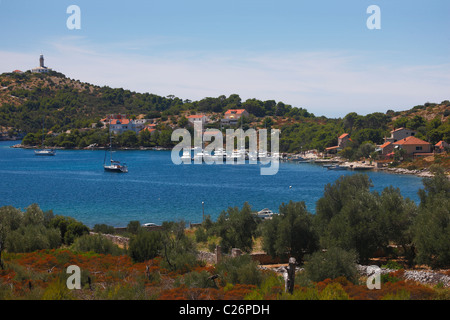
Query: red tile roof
[[343, 135], [411, 141], [441, 144], [384, 145], [148, 129], [120, 121], [235, 111], [196, 116]]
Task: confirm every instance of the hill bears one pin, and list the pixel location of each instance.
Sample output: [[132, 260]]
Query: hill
[[27, 100]]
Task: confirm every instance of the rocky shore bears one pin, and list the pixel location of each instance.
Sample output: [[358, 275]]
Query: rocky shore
[[425, 173], [428, 277]]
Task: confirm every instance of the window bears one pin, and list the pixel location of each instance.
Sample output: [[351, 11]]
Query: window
[[418, 148]]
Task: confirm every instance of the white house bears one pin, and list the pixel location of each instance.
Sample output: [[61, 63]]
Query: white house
[[400, 133], [197, 118], [119, 123]]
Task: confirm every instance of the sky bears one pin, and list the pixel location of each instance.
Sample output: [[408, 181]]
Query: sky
[[319, 55]]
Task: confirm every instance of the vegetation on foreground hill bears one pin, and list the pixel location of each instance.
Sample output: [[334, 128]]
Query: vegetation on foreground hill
[[352, 225]]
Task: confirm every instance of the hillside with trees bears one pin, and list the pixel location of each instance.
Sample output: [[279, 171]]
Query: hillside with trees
[[71, 110]]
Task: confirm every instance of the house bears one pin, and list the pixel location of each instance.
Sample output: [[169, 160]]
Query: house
[[413, 145], [343, 140], [150, 129], [441, 146], [119, 123], [386, 148], [197, 118], [232, 116], [401, 133]]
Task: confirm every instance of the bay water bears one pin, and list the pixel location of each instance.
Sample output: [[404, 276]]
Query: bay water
[[74, 183]]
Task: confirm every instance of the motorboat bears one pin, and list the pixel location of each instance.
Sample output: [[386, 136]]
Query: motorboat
[[45, 152]]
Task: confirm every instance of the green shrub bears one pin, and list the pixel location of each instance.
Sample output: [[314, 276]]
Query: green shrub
[[240, 270], [145, 246], [333, 291], [333, 263], [105, 229], [398, 295], [134, 227], [199, 280], [98, 244], [392, 265]]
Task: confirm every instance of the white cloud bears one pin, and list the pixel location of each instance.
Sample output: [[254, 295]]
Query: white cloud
[[324, 83]]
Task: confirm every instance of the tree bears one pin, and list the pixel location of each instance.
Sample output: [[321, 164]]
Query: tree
[[145, 245], [179, 252], [10, 220], [134, 227], [432, 225], [398, 215], [290, 234], [348, 216], [236, 228], [69, 228], [331, 264]]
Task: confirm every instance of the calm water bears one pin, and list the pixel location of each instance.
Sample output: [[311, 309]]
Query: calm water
[[73, 183]]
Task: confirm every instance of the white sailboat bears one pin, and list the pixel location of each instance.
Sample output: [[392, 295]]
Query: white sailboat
[[113, 166], [44, 151]]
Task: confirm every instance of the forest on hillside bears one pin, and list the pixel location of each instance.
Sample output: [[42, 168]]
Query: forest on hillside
[[28, 102]]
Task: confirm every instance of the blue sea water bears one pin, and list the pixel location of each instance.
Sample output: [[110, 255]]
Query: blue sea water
[[73, 183]]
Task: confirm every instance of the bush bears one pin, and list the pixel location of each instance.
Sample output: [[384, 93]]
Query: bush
[[134, 227], [199, 280], [33, 237], [332, 264], [105, 229], [145, 245], [69, 227], [333, 291], [290, 234], [240, 270], [98, 244]]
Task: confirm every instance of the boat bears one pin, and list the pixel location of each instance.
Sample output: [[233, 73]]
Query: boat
[[44, 151], [199, 154], [219, 154], [262, 155], [252, 156], [237, 154], [186, 156], [337, 167], [114, 165], [265, 214]]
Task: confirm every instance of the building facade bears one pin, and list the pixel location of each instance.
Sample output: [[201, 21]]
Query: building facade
[[42, 68]]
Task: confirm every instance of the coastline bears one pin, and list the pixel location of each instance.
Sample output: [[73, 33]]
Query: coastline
[[353, 165], [21, 146]]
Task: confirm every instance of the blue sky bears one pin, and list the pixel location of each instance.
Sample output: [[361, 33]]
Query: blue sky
[[318, 55]]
